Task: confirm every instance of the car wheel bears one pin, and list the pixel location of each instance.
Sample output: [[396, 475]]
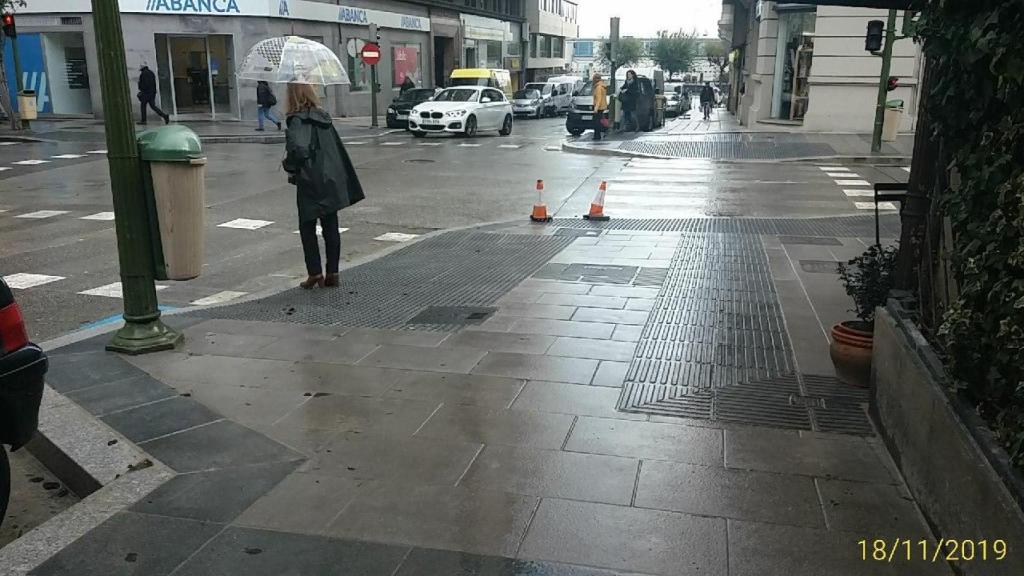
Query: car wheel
[[506, 126], [471, 126], [418, 134], [575, 131]]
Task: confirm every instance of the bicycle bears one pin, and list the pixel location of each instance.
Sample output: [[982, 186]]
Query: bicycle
[[706, 109]]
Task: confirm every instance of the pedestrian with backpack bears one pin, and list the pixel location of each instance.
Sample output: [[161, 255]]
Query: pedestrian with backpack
[[266, 101]]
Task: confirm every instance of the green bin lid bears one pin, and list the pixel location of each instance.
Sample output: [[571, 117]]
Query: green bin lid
[[897, 103], [170, 144]]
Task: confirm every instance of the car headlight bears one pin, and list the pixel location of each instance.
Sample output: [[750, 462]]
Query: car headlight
[[455, 113], [392, 111]]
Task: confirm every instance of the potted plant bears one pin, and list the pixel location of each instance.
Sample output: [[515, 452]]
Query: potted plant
[[867, 280]]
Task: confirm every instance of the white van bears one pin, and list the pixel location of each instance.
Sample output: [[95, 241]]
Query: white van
[[556, 93]]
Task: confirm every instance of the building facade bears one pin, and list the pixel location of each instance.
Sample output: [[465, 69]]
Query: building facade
[[552, 28], [805, 66], [193, 46]]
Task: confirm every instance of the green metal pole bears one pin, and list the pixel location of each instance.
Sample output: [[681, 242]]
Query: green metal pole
[[373, 96], [17, 73], [143, 331], [883, 81]]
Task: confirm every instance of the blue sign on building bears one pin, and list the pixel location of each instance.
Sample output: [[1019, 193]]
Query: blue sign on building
[[33, 70], [193, 6]]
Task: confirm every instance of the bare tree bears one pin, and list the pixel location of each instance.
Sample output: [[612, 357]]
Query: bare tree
[[718, 54]]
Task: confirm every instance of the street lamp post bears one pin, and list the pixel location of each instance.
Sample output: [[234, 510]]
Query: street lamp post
[[883, 77], [143, 330]]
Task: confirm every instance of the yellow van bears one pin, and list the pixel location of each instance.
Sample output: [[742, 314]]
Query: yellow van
[[491, 77]]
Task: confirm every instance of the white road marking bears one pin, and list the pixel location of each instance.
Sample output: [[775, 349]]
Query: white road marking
[[102, 216], [429, 144], [509, 146], [112, 290], [842, 175], [354, 143], [219, 298], [833, 169], [23, 280], [245, 224], [9, 143], [871, 205], [853, 183], [392, 143], [906, 168], [469, 145], [42, 214], [859, 192], [68, 156], [30, 162], [320, 230], [396, 237], [96, 152], [4, 168]]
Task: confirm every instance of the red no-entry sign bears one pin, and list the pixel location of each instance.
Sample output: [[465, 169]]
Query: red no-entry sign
[[370, 53]]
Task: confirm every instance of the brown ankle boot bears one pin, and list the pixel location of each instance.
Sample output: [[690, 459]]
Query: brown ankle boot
[[331, 280], [313, 282]]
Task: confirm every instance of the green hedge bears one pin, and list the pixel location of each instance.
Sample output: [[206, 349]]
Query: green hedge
[[979, 110]]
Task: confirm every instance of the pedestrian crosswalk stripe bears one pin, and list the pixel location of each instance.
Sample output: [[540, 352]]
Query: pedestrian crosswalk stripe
[[833, 169], [871, 205], [429, 144], [219, 298], [320, 230], [9, 143], [23, 280], [4, 168], [114, 290], [396, 237], [392, 143], [859, 192], [853, 183], [42, 214], [68, 156], [464, 145], [509, 146], [906, 168], [96, 152], [245, 224], [842, 175], [103, 216], [30, 162], [354, 143]]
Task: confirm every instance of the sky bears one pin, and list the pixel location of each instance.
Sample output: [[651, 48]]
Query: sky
[[643, 18]]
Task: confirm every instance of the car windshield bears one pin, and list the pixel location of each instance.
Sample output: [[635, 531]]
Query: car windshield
[[470, 81], [457, 95], [416, 95], [526, 94], [540, 87], [587, 90]]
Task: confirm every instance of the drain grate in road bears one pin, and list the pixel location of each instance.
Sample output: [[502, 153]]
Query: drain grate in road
[[729, 150], [819, 266], [841, 226], [810, 240], [591, 273], [454, 269]]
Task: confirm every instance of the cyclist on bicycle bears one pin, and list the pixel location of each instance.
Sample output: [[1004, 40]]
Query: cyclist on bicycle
[[707, 99]]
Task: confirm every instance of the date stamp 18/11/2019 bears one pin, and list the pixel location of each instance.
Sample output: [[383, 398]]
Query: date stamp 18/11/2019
[[944, 550]]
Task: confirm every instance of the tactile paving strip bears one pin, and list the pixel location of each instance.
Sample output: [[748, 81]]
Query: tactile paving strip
[[454, 269], [860, 226], [715, 347], [725, 150]]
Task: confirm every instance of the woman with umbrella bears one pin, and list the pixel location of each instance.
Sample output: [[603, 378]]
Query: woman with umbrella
[[316, 161]]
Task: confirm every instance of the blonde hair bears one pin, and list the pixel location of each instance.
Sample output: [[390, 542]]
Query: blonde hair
[[302, 97]]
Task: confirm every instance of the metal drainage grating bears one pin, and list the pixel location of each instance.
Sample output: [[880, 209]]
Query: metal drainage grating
[[819, 266], [591, 273], [730, 150], [651, 277], [810, 240], [860, 226], [577, 232], [453, 269], [453, 315]]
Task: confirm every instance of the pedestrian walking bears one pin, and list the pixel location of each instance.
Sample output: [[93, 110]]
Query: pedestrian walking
[[600, 102], [629, 96], [707, 99], [324, 177], [265, 102], [147, 94], [407, 84]]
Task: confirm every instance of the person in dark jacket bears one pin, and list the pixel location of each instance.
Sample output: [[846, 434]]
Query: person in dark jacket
[[324, 177], [147, 94], [629, 95], [406, 85], [707, 99], [265, 101]]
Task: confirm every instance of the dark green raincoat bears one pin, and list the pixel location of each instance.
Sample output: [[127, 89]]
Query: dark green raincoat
[[324, 176]]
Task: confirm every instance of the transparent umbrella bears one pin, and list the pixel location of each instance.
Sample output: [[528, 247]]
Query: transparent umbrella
[[293, 59]]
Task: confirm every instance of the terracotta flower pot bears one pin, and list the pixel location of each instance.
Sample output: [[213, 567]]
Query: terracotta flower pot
[[851, 352]]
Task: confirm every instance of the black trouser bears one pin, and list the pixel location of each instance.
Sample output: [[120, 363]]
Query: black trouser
[[598, 127], [311, 248], [151, 102]]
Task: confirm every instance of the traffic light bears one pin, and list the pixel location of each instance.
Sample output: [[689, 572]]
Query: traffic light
[[892, 84], [9, 28], [873, 42]]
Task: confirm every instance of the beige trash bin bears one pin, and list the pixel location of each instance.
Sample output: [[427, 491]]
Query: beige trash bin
[[175, 169], [27, 105], [893, 118]]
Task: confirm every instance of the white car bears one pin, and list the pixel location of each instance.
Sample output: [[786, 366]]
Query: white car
[[463, 110]]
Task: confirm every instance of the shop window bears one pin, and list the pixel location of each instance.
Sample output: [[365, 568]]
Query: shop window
[[794, 52], [533, 45], [556, 47], [358, 72], [405, 62], [545, 46]]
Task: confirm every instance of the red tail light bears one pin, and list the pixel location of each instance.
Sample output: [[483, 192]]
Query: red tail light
[[12, 329]]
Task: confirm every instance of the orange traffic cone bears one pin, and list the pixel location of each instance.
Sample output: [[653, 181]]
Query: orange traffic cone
[[540, 209], [597, 206]]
